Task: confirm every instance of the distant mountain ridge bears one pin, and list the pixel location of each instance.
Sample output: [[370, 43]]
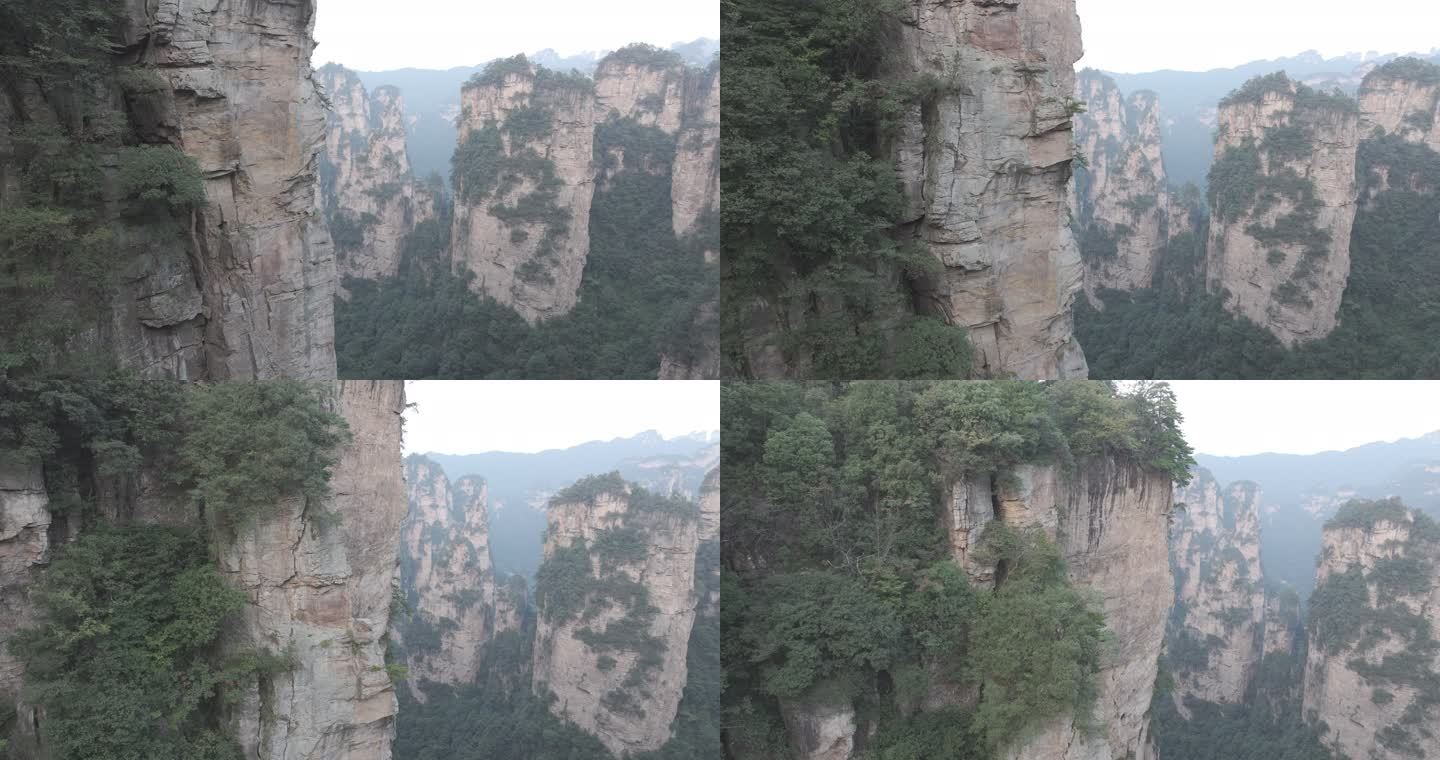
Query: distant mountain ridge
[[519, 483], [1188, 99], [1301, 491], [432, 97]]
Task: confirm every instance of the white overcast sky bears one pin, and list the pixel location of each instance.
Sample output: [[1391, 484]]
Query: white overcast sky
[[473, 417], [1131, 36], [1235, 418], [378, 35]]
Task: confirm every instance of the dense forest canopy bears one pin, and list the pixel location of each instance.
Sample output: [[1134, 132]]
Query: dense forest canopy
[[838, 585]]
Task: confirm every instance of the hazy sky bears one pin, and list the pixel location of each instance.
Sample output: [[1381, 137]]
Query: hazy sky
[[1301, 417], [1130, 36], [462, 417], [377, 35]]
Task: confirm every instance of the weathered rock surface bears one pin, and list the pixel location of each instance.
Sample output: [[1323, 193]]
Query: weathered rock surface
[[1284, 260], [1402, 100], [1122, 201], [985, 166], [24, 551], [448, 577], [1110, 520], [368, 191], [695, 179], [1220, 598], [250, 294], [531, 263], [1357, 719], [323, 593], [586, 689]]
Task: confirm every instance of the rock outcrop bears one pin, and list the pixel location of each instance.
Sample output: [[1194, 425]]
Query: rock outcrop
[[24, 551], [1109, 519], [1283, 200], [695, 178], [250, 293], [369, 193], [616, 660], [1403, 98], [985, 166], [1122, 200], [525, 185], [448, 578], [1218, 633], [1372, 672]]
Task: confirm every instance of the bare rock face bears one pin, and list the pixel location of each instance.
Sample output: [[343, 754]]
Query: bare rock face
[[24, 550], [695, 180], [985, 166], [1109, 519], [1283, 205], [368, 190], [819, 731], [1122, 201], [527, 240], [322, 593], [250, 295], [448, 577], [1218, 642], [1403, 98], [624, 691], [1373, 694]]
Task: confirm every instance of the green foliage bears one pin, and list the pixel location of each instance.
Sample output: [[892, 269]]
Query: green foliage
[[124, 660], [1255, 90], [251, 445], [1364, 514], [1338, 609], [495, 73], [1234, 180], [810, 191], [590, 488], [563, 582], [528, 123], [643, 146], [1410, 69], [160, 173], [640, 54], [929, 348]]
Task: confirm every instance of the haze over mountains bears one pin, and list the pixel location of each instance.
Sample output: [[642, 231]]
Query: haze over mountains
[[432, 96]]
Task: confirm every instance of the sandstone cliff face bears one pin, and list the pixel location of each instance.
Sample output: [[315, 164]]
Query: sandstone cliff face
[[1281, 254], [695, 180], [1218, 638], [368, 191], [24, 550], [1122, 201], [626, 693], [1376, 697], [531, 261], [448, 577], [251, 293], [985, 167], [1403, 102], [1110, 520]]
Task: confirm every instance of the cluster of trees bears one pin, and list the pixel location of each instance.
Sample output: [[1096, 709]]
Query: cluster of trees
[[811, 198], [838, 585], [640, 295]]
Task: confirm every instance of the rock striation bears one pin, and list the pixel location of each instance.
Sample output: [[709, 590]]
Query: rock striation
[[985, 166], [1122, 201], [250, 293], [448, 578], [616, 661], [1283, 201], [1403, 98], [1109, 518], [1219, 627], [370, 195], [1372, 671]]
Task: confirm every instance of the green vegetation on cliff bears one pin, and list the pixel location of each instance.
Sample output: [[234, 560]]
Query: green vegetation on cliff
[[811, 197], [838, 585]]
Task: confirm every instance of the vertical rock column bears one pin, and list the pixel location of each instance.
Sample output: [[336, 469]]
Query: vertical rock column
[[985, 165], [522, 221], [1282, 203], [320, 594]]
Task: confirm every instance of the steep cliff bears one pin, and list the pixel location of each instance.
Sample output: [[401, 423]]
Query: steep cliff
[[448, 578], [695, 181], [1282, 203], [1122, 201], [368, 191], [1109, 519], [1372, 674], [524, 185], [1218, 632], [249, 293], [1402, 98], [617, 599], [985, 165]]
